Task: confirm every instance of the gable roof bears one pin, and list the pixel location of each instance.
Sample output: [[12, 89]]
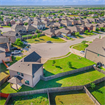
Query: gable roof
[[9, 33], [4, 39], [28, 68], [97, 46], [33, 57]]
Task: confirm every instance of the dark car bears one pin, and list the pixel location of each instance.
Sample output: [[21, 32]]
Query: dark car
[[14, 48], [49, 42]]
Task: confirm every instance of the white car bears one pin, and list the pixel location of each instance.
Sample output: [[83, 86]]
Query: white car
[[16, 52]]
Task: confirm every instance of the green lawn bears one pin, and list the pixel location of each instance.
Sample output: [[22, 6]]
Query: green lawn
[[44, 39], [2, 101], [27, 35], [61, 65], [22, 46], [6, 26], [70, 98], [80, 46], [99, 92], [36, 99]]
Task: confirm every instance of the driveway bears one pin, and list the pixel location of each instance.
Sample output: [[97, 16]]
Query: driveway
[[5, 29], [49, 50]]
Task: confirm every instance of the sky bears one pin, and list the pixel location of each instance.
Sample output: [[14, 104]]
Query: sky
[[52, 2]]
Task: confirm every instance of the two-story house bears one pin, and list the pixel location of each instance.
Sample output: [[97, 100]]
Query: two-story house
[[26, 71], [5, 53]]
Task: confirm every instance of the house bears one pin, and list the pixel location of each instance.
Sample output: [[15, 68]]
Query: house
[[90, 27], [7, 21], [39, 25], [5, 53], [19, 22], [26, 71], [96, 51], [63, 32], [19, 29], [73, 29], [28, 21], [50, 32], [30, 29], [12, 22], [12, 35], [67, 22]]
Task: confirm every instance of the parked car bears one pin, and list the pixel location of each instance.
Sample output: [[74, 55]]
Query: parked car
[[82, 52], [14, 48], [1, 27], [16, 52], [49, 42]]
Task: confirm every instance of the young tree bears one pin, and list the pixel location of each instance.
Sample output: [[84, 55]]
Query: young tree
[[84, 41], [53, 62], [97, 29], [69, 64], [92, 85]]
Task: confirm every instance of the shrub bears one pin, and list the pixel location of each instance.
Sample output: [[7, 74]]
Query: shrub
[[97, 29], [26, 24], [38, 35], [18, 42]]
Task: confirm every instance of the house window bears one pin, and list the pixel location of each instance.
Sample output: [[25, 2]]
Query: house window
[[27, 82], [33, 76], [18, 73], [22, 74]]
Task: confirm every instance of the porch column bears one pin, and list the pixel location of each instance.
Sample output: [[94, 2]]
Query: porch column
[[16, 87]]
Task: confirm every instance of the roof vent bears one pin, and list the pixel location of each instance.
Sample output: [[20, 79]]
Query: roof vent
[[28, 64]]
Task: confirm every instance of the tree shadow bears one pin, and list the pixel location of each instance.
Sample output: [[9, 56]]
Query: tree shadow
[[36, 40], [70, 65], [42, 39], [58, 67]]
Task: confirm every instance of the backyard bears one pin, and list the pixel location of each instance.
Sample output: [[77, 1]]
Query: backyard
[[65, 64], [44, 39], [99, 92], [77, 79], [70, 98], [36, 99]]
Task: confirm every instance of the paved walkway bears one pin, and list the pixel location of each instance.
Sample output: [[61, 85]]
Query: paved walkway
[[77, 52], [49, 50]]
